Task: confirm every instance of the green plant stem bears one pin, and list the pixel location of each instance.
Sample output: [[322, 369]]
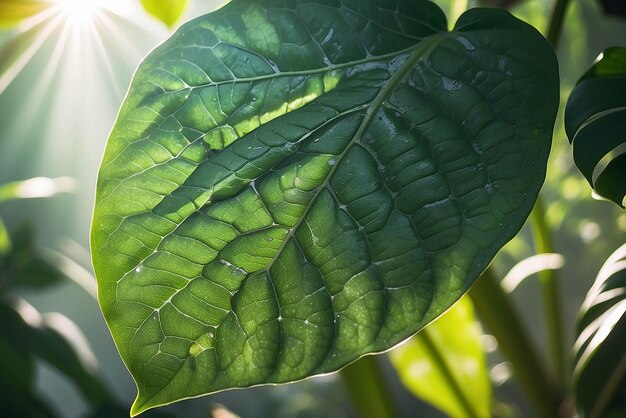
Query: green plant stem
[[550, 293], [556, 22], [366, 386], [543, 242], [498, 314]]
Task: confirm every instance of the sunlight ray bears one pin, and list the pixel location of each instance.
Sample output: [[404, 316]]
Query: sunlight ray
[[41, 31], [51, 68], [112, 28], [104, 57]]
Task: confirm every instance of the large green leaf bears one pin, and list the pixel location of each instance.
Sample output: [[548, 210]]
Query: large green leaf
[[595, 122], [600, 354], [444, 364], [293, 184]]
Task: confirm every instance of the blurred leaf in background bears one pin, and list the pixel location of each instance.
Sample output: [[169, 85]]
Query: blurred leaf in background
[[12, 12], [595, 122], [36, 187], [444, 364], [167, 11], [599, 355], [21, 262], [23, 265], [26, 335]]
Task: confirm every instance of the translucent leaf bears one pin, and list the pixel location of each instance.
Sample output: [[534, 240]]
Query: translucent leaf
[[293, 184], [13, 12], [168, 11], [444, 364]]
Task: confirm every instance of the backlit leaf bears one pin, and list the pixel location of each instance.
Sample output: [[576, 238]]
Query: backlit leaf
[[167, 11], [293, 184], [444, 364]]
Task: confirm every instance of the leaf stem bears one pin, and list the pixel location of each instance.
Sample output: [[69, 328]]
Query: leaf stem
[[366, 386], [556, 22], [549, 293], [543, 241], [498, 314]]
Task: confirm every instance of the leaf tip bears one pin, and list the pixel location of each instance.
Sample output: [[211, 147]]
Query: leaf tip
[[139, 406], [136, 409]]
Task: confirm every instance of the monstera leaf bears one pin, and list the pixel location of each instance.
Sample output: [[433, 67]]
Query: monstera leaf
[[595, 122], [600, 358], [291, 185]]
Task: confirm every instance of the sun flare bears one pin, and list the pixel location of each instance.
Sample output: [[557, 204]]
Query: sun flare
[[80, 12]]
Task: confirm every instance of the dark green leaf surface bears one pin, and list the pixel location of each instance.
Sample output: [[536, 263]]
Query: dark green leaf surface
[[293, 184], [600, 357], [595, 122]]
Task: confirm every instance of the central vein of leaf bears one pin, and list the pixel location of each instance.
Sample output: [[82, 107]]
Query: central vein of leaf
[[418, 53]]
